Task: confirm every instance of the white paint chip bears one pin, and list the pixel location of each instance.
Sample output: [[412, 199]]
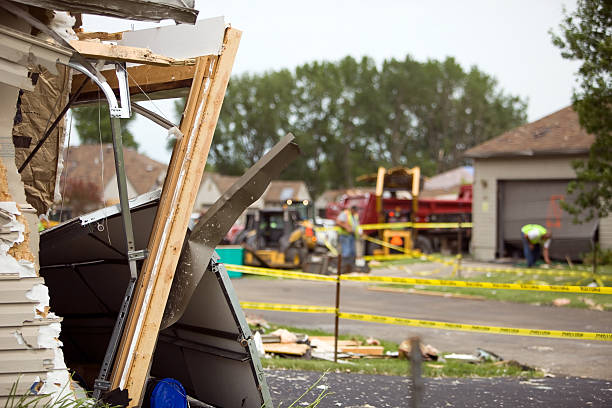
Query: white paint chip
[[39, 293]]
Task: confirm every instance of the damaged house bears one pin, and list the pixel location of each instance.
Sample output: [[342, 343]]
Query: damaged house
[[120, 296]]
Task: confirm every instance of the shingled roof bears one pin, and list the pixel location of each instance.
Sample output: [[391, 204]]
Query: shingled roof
[[557, 133], [277, 190], [83, 163]]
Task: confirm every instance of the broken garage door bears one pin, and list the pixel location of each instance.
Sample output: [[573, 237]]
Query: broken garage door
[[538, 202]]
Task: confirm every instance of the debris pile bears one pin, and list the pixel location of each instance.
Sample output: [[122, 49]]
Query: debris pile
[[428, 352]]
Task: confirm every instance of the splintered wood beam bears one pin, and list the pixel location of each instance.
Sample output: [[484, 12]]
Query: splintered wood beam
[[122, 53], [102, 36], [185, 171], [142, 78]]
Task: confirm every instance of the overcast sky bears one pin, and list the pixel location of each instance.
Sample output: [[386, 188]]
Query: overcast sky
[[506, 39]]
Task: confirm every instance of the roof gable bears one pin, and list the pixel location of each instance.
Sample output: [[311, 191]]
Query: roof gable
[[83, 163], [557, 133]]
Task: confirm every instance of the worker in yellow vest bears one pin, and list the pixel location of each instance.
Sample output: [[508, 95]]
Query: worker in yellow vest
[[535, 238], [348, 221]]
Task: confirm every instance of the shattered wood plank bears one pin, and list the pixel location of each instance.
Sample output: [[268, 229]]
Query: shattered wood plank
[[149, 78], [178, 196], [178, 156], [122, 53], [367, 350], [286, 348], [102, 36], [330, 339]]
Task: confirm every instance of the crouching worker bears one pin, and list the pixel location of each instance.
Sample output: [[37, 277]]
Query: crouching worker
[[348, 221], [534, 238]]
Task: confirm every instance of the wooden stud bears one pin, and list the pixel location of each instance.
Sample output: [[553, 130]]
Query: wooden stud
[[174, 167], [149, 78], [178, 196], [97, 50]]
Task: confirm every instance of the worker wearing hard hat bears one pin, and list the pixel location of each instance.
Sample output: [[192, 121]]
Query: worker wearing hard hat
[[348, 221], [536, 238]]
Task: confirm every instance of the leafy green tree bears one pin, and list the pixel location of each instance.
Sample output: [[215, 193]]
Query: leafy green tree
[[351, 116], [93, 121], [434, 111], [586, 36], [255, 115]]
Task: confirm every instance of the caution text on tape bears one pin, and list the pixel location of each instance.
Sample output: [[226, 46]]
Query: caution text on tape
[[564, 334], [420, 281], [480, 285], [279, 273], [532, 271], [287, 308], [478, 328]]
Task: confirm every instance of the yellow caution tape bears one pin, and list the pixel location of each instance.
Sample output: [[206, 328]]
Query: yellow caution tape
[[331, 248], [327, 228], [419, 281], [437, 259], [429, 323], [288, 308], [480, 285], [393, 257], [385, 244], [398, 225], [556, 272], [387, 225], [279, 273], [417, 225], [478, 328], [405, 253], [413, 255]]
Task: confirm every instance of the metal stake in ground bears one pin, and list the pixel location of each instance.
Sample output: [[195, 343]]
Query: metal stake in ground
[[459, 245], [415, 369], [337, 308]]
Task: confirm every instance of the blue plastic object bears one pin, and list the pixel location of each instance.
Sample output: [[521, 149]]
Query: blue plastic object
[[169, 393]]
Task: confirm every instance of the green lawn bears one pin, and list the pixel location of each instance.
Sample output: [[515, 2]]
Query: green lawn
[[402, 367], [394, 366]]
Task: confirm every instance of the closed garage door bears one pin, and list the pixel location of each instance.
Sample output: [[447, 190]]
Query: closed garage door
[[537, 202]]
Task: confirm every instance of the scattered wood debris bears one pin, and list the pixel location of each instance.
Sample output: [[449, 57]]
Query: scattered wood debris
[[561, 302], [428, 352]]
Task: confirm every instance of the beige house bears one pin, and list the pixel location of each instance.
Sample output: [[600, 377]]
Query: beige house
[[520, 177], [277, 193]]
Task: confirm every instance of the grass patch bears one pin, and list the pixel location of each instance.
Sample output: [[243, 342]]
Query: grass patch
[[393, 366], [399, 367]]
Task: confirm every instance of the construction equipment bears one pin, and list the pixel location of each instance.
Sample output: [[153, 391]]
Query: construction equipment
[[278, 238], [396, 200]]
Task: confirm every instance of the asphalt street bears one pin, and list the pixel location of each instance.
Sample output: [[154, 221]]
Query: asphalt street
[[579, 358], [378, 391]]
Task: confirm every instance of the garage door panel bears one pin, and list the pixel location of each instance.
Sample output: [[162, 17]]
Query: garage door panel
[[538, 202]]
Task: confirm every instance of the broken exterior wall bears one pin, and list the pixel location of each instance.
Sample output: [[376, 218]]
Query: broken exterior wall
[[35, 112], [30, 350]]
